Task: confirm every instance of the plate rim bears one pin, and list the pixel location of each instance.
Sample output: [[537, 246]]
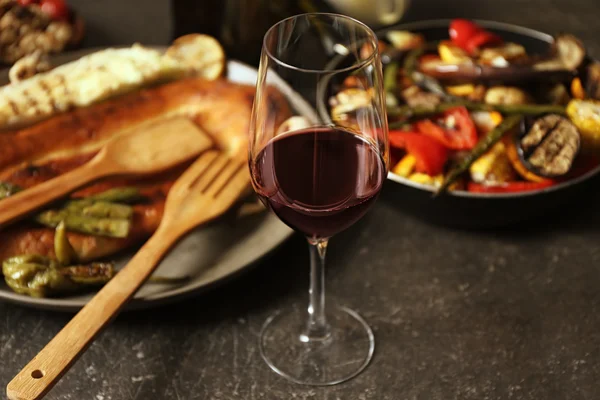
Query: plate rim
[[502, 26], [65, 304]]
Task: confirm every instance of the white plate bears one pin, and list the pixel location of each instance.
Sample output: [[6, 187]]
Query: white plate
[[209, 255]]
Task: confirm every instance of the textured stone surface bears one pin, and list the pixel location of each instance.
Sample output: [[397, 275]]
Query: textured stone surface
[[510, 314]]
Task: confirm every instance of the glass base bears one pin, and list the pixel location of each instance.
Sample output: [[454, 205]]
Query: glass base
[[336, 358]]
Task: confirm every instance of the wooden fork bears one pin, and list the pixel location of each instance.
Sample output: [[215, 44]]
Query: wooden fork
[[205, 191]]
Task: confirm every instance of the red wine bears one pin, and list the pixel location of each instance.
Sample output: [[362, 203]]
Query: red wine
[[319, 181]]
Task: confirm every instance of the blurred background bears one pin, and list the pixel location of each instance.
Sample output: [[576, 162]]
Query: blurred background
[[240, 24]]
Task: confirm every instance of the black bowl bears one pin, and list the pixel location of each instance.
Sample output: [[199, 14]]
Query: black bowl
[[480, 210]]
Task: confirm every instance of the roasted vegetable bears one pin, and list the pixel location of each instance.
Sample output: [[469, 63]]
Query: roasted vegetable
[[509, 187], [41, 277], [502, 56], [453, 54], [577, 90], [515, 159], [453, 128], [485, 121], [430, 156], [550, 146], [561, 65], [463, 90], [124, 194], [111, 227], [103, 209], [471, 36], [585, 114], [557, 94], [514, 74], [65, 254], [506, 95], [405, 166], [419, 177], [592, 81], [493, 167], [411, 113], [482, 146], [417, 98]]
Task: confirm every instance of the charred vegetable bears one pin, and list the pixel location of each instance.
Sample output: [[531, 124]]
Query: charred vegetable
[[550, 146], [506, 95], [38, 276], [409, 113], [482, 146], [493, 167], [112, 227], [347, 105], [585, 114], [100, 214], [65, 254], [566, 57]]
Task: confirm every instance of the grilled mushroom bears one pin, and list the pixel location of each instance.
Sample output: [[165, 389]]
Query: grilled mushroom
[[550, 146]]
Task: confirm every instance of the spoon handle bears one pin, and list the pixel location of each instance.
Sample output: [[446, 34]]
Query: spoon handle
[[29, 200], [42, 373]]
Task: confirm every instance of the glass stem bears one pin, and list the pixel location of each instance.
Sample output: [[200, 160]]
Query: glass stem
[[317, 324]]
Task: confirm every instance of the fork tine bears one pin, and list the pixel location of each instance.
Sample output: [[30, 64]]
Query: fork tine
[[193, 173], [239, 180], [224, 177], [211, 174]]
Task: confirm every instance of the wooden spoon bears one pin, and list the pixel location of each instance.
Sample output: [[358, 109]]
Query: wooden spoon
[[205, 191], [144, 151]]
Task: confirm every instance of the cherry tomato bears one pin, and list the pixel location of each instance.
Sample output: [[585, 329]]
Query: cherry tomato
[[26, 3], [56, 9], [461, 30]]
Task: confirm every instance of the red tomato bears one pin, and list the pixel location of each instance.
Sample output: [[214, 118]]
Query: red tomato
[[430, 155], [481, 39], [56, 9], [461, 30], [510, 187], [26, 3], [461, 136]]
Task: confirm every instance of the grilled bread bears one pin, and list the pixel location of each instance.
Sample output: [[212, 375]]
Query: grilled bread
[[105, 74]]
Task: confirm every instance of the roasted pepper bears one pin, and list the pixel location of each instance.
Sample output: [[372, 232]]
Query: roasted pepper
[[430, 156], [454, 128], [38, 276], [509, 187], [513, 155], [451, 53], [405, 166]]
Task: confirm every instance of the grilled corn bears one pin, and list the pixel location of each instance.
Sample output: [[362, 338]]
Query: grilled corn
[[493, 166]]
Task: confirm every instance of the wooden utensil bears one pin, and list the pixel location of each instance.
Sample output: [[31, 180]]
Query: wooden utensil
[[205, 191], [144, 151]]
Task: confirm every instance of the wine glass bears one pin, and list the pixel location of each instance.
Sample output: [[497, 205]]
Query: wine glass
[[319, 173]]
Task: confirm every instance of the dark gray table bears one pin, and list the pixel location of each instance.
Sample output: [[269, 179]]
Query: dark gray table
[[511, 314]]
